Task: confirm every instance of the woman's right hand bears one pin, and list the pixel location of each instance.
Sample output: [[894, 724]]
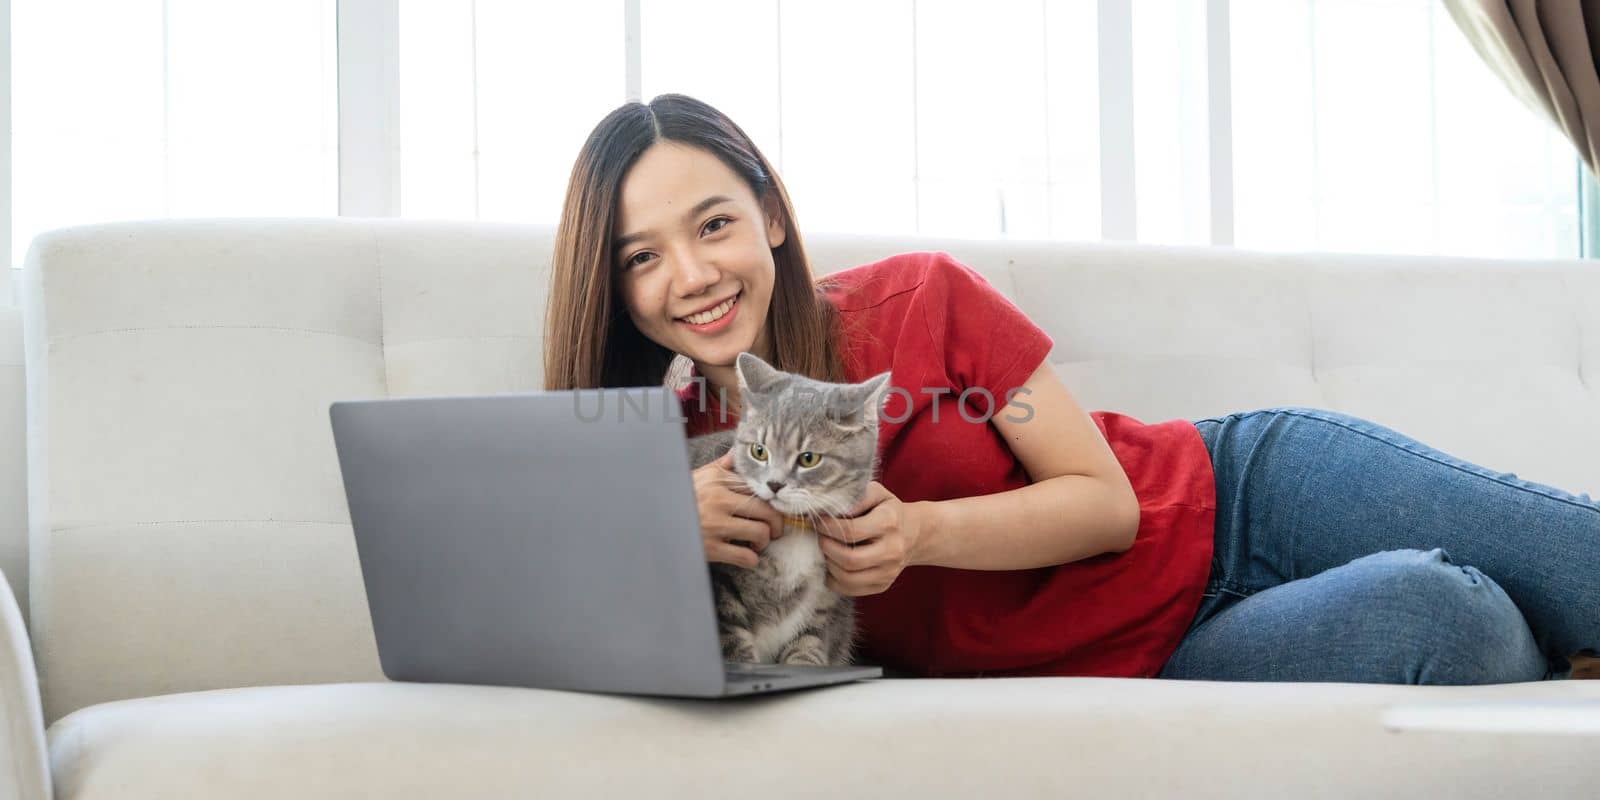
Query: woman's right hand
[[730, 516]]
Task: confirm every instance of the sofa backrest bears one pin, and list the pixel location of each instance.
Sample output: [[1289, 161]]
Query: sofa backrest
[[187, 519]]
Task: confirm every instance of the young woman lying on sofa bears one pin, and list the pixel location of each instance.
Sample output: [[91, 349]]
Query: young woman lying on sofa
[[991, 526]]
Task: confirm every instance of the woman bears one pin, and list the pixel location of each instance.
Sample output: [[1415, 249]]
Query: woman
[[1012, 533]]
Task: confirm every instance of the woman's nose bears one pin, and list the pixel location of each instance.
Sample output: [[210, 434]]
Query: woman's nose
[[695, 275]]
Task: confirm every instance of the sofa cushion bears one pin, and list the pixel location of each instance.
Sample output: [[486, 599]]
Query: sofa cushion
[[903, 738]]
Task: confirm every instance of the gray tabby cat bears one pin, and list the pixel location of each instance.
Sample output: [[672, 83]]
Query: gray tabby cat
[[810, 449]]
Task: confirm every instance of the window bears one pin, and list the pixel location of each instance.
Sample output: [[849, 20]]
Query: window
[[178, 108], [1361, 125], [496, 98], [1374, 126], [915, 116]]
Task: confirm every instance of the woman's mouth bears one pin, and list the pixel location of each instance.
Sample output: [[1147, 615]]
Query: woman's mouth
[[714, 319]]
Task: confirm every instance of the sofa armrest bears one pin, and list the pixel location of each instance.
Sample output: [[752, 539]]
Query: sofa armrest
[[24, 759]]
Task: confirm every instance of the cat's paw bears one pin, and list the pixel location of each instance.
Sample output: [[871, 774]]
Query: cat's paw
[[806, 661], [737, 645], [804, 652]]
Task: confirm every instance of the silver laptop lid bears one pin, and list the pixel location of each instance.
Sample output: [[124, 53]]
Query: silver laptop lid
[[545, 539]]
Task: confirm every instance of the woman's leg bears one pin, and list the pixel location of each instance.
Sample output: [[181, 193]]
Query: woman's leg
[[1400, 616], [1301, 491]]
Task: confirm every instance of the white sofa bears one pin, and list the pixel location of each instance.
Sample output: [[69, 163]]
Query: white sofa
[[198, 621]]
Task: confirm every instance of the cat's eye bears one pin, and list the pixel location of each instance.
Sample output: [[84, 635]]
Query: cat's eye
[[809, 459], [758, 452]]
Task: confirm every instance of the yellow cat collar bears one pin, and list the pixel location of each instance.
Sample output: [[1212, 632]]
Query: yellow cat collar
[[797, 522]]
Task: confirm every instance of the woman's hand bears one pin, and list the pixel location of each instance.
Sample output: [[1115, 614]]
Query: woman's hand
[[735, 525], [866, 551]]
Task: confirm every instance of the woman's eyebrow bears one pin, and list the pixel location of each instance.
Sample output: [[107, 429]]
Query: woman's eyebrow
[[624, 241]]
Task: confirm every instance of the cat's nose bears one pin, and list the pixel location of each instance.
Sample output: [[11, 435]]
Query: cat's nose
[[774, 486]]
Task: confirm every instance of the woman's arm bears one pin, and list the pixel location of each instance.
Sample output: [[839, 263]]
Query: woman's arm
[[1079, 505], [1057, 521]]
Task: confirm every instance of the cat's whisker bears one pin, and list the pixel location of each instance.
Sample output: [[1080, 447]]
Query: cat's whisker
[[743, 503], [735, 482], [832, 506], [740, 507], [818, 504], [815, 518]]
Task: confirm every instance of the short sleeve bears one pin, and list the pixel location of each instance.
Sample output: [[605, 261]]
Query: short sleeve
[[987, 341]]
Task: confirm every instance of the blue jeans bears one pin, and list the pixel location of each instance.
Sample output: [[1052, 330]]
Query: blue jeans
[[1346, 551]]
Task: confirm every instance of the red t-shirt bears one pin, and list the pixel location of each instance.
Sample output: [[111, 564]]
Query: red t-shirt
[[937, 324]]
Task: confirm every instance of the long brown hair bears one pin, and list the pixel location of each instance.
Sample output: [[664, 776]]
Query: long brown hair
[[589, 340]]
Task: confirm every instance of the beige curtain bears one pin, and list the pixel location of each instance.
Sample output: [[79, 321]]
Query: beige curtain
[[1545, 51]]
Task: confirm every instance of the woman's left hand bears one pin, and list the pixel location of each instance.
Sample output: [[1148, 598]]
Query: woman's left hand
[[866, 551]]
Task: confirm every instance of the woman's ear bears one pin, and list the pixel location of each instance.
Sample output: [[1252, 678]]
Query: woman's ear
[[776, 234]]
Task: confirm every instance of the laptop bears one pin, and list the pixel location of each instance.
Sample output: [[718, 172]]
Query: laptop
[[544, 539]]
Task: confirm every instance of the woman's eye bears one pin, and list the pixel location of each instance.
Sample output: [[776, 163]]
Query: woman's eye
[[636, 259], [758, 452], [809, 459]]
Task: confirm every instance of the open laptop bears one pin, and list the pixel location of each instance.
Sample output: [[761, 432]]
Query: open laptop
[[543, 539]]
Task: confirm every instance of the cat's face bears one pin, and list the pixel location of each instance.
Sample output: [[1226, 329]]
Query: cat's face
[[804, 446]]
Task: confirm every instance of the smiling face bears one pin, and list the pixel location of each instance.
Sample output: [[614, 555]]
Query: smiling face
[[693, 254]]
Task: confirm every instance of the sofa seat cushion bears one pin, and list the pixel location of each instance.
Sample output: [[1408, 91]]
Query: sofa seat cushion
[[1088, 737]]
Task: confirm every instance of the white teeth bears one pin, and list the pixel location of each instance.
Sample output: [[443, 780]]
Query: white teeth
[[712, 315]]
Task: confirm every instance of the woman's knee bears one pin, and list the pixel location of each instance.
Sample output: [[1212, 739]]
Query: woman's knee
[[1452, 624]]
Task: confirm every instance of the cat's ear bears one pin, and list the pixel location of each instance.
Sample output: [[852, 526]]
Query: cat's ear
[[877, 387], [855, 403], [754, 374]]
